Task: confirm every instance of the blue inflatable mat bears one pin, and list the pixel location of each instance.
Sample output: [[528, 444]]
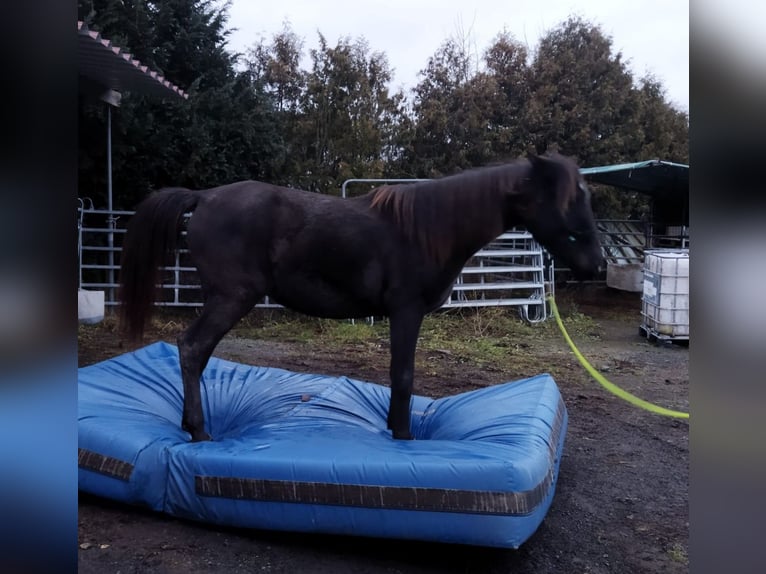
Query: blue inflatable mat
[[311, 453]]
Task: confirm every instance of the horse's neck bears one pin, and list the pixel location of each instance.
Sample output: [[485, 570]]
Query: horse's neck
[[484, 216], [470, 243], [467, 240]]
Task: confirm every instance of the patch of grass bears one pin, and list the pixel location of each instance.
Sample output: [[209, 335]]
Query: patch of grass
[[484, 336], [579, 324], [346, 332], [491, 338], [292, 327], [498, 336], [678, 553]]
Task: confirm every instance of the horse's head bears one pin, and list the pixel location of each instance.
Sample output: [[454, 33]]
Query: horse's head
[[559, 215]]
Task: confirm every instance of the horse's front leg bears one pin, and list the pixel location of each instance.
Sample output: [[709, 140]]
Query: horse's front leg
[[405, 326]]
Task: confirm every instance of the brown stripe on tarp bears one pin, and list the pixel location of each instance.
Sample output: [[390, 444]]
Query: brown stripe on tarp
[[373, 496], [107, 465], [388, 497], [556, 428]]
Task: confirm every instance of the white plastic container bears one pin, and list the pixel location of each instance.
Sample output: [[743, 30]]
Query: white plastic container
[[626, 276], [90, 306], [665, 298]]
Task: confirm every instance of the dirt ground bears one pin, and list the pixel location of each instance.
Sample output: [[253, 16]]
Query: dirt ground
[[621, 502]]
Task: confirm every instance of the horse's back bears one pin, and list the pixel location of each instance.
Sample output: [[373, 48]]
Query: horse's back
[[243, 197], [318, 254], [264, 226], [235, 196]]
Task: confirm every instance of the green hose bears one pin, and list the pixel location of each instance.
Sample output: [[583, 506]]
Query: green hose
[[611, 387]]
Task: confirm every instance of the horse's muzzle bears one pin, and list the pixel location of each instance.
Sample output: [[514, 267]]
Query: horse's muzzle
[[588, 273]]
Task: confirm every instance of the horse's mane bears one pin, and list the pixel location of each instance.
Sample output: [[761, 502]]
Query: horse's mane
[[435, 213]]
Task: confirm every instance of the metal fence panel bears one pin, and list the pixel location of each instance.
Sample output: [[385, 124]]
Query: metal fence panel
[[510, 271]]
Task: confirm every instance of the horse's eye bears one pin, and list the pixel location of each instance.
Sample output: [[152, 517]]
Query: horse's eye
[[572, 238]]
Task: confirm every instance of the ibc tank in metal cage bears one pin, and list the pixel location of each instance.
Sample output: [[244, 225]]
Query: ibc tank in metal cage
[[665, 298]]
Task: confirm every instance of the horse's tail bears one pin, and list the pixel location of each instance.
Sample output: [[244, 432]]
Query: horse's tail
[[151, 238]]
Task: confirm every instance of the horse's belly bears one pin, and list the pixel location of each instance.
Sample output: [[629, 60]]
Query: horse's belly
[[341, 287], [329, 307], [316, 297], [439, 296]]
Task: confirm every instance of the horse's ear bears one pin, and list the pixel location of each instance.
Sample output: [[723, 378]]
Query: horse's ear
[[549, 170]]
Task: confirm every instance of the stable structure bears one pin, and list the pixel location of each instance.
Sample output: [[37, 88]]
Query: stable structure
[[667, 185], [105, 71], [667, 226], [311, 453]]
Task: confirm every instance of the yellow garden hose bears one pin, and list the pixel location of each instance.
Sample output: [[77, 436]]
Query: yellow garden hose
[[611, 387]]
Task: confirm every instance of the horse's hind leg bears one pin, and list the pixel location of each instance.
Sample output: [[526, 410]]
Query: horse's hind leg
[[196, 345]]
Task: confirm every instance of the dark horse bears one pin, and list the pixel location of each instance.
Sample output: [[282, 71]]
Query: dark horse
[[393, 252]]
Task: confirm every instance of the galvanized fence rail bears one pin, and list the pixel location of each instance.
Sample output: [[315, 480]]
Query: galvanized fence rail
[[510, 271]]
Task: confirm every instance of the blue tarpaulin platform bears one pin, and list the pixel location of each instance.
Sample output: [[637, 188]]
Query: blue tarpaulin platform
[[311, 453]]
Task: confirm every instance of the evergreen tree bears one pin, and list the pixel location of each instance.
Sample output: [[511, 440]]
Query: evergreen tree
[[338, 118], [664, 129], [583, 102], [223, 132], [449, 128], [507, 65]]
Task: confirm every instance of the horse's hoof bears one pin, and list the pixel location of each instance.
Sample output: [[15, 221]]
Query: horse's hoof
[[402, 435], [200, 437]]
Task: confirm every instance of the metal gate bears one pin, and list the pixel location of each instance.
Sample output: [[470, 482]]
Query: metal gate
[[510, 271], [513, 270]]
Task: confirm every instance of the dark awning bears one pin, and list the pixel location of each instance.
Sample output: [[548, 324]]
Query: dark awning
[[653, 177], [106, 65]]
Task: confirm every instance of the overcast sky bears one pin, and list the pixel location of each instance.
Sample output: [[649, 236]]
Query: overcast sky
[[653, 35]]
